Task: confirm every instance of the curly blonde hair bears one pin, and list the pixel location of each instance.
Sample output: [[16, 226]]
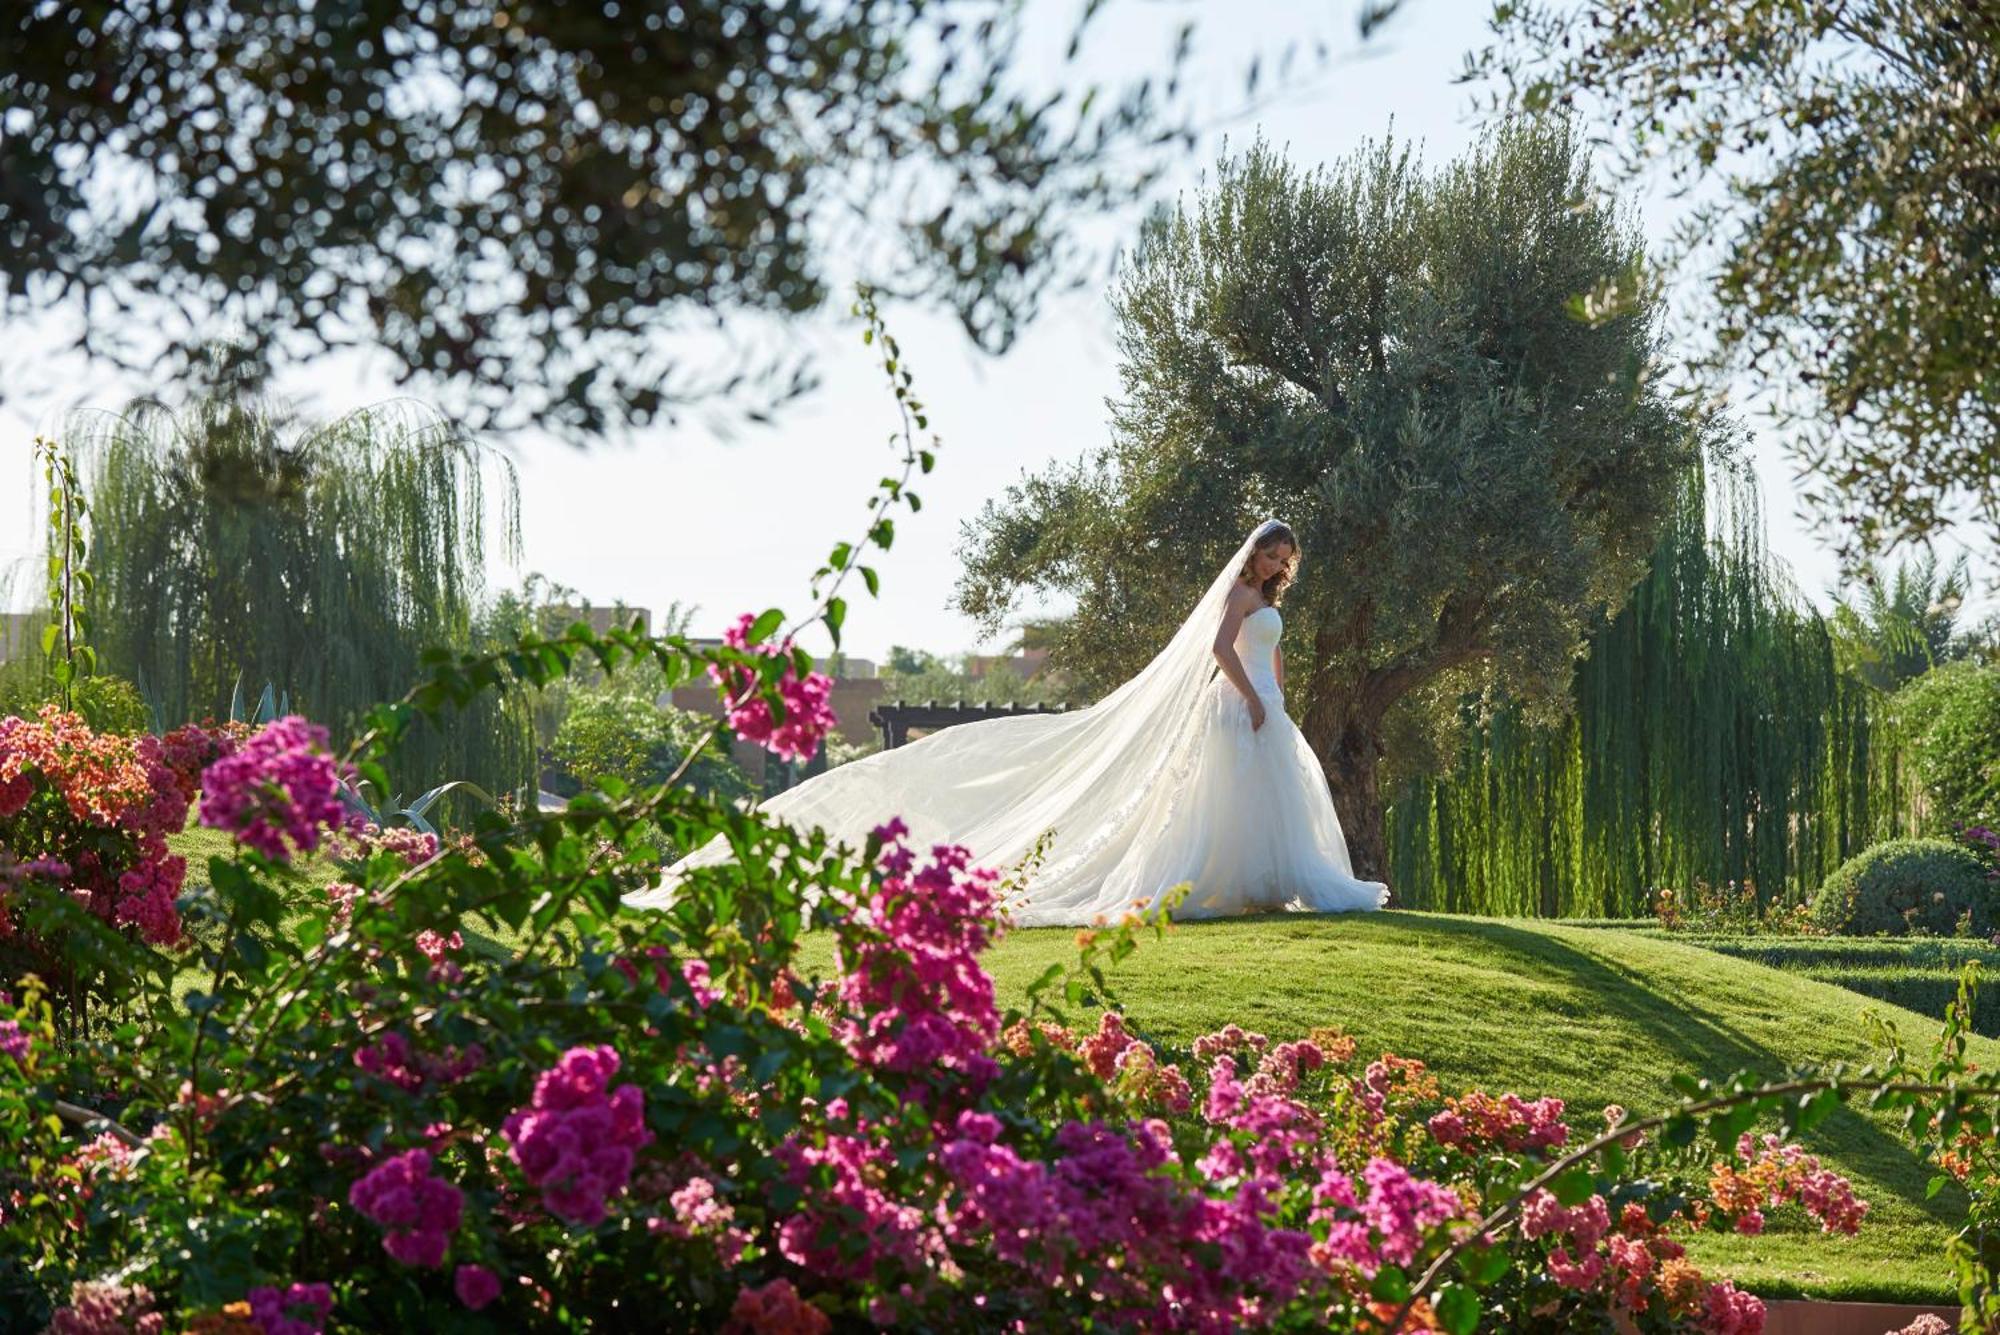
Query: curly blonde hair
[[1276, 534]]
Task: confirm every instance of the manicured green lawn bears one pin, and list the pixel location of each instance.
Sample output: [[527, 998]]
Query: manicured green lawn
[[1594, 1016], [1920, 973]]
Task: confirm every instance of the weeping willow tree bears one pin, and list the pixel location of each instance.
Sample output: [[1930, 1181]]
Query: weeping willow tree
[[1714, 738], [234, 547]]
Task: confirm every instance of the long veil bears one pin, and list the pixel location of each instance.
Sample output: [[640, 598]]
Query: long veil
[[1103, 781]]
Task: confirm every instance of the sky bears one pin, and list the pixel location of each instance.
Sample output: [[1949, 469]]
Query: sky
[[739, 523]]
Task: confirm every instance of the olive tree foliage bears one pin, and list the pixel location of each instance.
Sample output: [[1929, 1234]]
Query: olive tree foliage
[[528, 201], [1845, 160], [1382, 357]]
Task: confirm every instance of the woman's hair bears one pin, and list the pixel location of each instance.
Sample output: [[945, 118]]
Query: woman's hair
[[1276, 535]]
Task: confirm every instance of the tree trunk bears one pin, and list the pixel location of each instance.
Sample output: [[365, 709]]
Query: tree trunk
[[1352, 772], [1349, 746]]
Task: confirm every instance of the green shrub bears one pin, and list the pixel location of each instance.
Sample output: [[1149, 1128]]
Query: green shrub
[[612, 735], [1905, 886], [1950, 719], [107, 703]]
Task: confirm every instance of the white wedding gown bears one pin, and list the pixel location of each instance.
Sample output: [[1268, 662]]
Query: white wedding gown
[[1162, 783]]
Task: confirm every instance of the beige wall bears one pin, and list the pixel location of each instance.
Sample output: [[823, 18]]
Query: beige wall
[[851, 700]]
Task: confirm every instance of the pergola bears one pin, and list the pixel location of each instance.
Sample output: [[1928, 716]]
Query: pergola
[[896, 720]]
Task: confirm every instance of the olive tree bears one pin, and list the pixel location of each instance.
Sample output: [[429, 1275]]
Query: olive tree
[[1844, 161], [1383, 357]]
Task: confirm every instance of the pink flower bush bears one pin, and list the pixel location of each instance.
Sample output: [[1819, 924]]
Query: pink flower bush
[[775, 1309], [14, 1042], [1478, 1120], [114, 800], [916, 996], [278, 793], [808, 714], [418, 1211], [476, 1286], [579, 1138], [393, 1058], [297, 1309], [1775, 1173], [101, 1307]]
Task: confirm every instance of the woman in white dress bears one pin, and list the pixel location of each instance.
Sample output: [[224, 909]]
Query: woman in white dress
[[1191, 773]]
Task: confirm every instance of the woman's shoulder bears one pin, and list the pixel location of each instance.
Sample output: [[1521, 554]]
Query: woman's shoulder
[[1243, 597]]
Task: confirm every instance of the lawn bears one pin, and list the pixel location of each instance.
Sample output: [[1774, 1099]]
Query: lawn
[[1593, 1016]]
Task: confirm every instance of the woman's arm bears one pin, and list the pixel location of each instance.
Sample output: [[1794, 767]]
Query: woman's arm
[[1227, 658], [1278, 662]]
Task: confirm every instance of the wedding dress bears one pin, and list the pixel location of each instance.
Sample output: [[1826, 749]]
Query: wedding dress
[[1162, 783]]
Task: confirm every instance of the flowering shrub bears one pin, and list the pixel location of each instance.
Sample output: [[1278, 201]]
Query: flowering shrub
[[791, 717], [360, 1118], [84, 820], [1731, 909]]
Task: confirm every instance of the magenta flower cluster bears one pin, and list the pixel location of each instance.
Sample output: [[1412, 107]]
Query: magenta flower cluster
[[915, 993], [393, 1058], [808, 713], [278, 793], [297, 1309], [476, 1286], [579, 1138], [417, 1210]]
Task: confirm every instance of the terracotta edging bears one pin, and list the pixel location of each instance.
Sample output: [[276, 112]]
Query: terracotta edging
[[1785, 1316]]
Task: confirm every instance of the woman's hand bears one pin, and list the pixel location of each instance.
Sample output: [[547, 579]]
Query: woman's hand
[[1256, 713]]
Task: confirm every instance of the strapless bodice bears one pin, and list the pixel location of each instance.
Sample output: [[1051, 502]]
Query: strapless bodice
[[1256, 645]]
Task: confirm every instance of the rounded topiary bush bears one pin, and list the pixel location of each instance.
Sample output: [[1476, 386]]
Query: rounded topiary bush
[[1904, 886]]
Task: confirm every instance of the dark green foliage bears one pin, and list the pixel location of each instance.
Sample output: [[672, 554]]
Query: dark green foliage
[[1853, 235], [1950, 719], [1383, 358], [530, 201], [1907, 886], [1714, 739], [234, 549]]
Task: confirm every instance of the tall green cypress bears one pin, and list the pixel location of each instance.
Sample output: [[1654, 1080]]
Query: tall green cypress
[[1713, 738]]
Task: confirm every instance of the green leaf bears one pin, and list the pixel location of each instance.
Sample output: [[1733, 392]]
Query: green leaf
[[1485, 1265], [1935, 1185], [1457, 1306], [763, 626], [1050, 977], [836, 615], [1574, 1187], [872, 580], [1391, 1285]]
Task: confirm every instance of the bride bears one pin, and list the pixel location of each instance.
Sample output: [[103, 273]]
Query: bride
[[1185, 775]]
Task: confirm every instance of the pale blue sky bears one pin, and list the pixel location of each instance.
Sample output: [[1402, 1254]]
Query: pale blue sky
[[737, 525]]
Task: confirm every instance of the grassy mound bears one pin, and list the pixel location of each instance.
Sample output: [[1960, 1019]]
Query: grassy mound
[[1593, 1016]]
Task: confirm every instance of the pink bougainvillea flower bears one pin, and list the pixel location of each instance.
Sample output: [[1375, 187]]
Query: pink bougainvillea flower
[[418, 1211], [775, 1309], [476, 1286], [278, 793], [578, 1139], [298, 1309], [806, 700]]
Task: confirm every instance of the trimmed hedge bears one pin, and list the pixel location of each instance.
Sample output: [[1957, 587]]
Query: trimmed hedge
[[1906, 886]]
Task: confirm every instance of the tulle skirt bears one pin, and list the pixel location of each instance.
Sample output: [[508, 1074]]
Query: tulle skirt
[[1246, 822], [1135, 806]]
